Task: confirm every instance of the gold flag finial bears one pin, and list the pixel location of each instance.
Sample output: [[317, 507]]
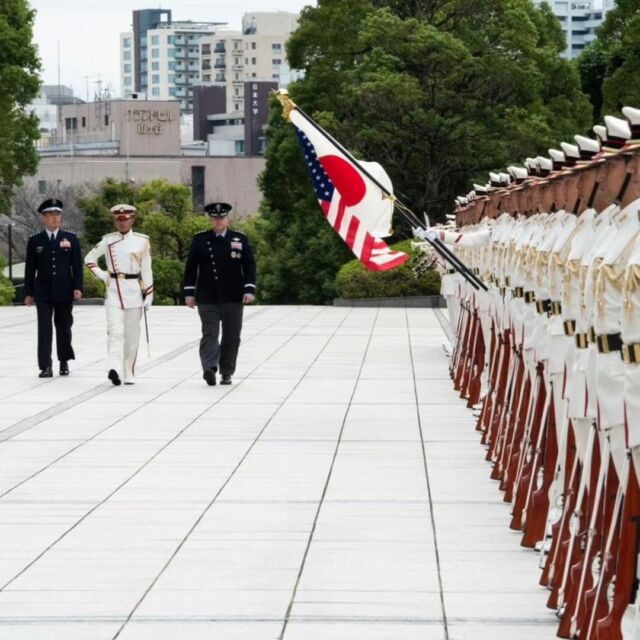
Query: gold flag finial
[[287, 103]]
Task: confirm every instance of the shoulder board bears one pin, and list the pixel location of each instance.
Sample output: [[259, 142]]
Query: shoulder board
[[199, 233], [140, 235], [70, 233]]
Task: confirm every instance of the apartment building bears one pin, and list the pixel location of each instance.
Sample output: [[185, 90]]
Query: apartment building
[[579, 21], [160, 57]]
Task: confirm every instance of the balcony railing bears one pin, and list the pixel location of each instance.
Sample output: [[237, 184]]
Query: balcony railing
[[220, 64], [220, 48]]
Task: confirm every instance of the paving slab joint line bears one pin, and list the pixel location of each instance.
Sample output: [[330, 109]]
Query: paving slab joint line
[[33, 421]]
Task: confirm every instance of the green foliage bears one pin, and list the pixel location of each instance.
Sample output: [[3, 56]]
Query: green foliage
[[610, 65], [93, 288], [355, 282], [439, 92], [167, 281], [19, 86], [164, 213], [7, 292]]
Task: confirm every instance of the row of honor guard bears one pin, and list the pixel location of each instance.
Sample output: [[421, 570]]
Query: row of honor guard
[[53, 280], [549, 358]]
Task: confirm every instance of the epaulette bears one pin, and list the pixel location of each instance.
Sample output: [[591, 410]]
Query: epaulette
[[142, 235]]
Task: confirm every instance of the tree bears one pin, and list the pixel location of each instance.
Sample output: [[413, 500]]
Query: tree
[[19, 86], [609, 66], [439, 91]]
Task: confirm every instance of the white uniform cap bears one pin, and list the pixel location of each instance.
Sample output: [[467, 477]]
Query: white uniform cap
[[617, 128], [545, 164], [570, 150], [632, 115], [123, 208], [601, 132], [557, 155], [587, 144]]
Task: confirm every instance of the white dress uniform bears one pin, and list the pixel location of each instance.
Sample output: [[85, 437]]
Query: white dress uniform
[[129, 282]]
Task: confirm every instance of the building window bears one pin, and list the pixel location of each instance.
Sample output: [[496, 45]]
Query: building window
[[171, 66], [253, 60], [84, 121], [127, 55], [155, 91], [155, 66], [246, 60], [155, 40], [253, 45], [275, 76], [155, 53], [126, 43], [253, 75], [236, 106], [127, 81], [171, 53], [239, 147], [276, 47], [172, 78], [276, 62], [206, 77], [155, 78], [127, 68], [172, 91], [171, 39], [71, 124], [42, 187], [106, 120], [143, 41]]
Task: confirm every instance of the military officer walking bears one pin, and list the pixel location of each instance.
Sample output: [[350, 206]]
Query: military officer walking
[[53, 280], [220, 277], [129, 283]]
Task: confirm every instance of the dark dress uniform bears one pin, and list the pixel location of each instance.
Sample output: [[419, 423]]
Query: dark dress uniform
[[218, 272], [52, 271]]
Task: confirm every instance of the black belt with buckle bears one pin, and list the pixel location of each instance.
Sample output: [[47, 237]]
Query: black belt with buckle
[[591, 335], [569, 327], [631, 353], [125, 276], [518, 292], [609, 342], [582, 340], [450, 272], [529, 296], [508, 281], [503, 291], [556, 309], [543, 306]]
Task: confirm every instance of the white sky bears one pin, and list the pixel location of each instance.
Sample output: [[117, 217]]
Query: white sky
[[88, 32]]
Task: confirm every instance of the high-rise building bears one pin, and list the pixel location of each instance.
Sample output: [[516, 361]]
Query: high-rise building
[[160, 57], [579, 20], [257, 52]]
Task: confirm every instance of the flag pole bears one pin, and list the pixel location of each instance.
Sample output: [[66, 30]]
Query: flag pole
[[409, 216]]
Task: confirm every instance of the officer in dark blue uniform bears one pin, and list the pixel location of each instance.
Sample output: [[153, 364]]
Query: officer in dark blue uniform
[[220, 277], [53, 280]]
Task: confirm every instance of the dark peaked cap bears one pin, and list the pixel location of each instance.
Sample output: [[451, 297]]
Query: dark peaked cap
[[218, 209], [51, 205]]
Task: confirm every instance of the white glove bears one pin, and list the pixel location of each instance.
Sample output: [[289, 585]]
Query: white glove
[[104, 276], [425, 234], [148, 301]]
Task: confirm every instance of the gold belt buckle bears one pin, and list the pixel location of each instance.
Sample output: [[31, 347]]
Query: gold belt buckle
[[581, 340], [121, 276], [636, 352], [569, 327], [626, 353]]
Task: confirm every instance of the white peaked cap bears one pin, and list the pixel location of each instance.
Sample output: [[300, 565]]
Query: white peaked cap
[[505, 178], [587, 144], [544, 163], [570, 150], [494, 177], [519, 173], [480, 188], [631, 114], [617, 127], [600, 131], [557, 155]]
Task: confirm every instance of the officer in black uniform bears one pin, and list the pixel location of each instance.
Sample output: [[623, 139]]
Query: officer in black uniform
[[53, 280], [220, 277]]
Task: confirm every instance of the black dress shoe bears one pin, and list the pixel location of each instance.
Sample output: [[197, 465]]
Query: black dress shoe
[[226, 379], [114, 377], [46, 373], [209, 376], [64, 368]]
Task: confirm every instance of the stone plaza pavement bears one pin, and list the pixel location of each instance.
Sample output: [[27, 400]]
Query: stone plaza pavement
[[336, 491]]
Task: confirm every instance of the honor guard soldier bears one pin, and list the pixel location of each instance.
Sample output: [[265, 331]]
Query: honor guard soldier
[[220, 276], [53, 280], [129, 289]]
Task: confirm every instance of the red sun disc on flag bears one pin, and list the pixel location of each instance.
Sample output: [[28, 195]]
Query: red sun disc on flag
[[345, 178]]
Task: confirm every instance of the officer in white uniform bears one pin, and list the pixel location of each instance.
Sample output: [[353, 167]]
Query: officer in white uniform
[[129, 282]]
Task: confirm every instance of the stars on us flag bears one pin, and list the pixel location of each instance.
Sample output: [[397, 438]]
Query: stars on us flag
[[322, 185]]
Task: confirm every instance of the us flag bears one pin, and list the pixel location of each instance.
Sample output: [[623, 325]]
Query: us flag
[[352, 204]]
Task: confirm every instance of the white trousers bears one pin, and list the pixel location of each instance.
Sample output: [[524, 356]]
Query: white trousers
[[123, 338]]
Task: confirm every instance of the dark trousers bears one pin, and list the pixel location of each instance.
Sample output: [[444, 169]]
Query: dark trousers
[[62, 313], [221, 354]]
